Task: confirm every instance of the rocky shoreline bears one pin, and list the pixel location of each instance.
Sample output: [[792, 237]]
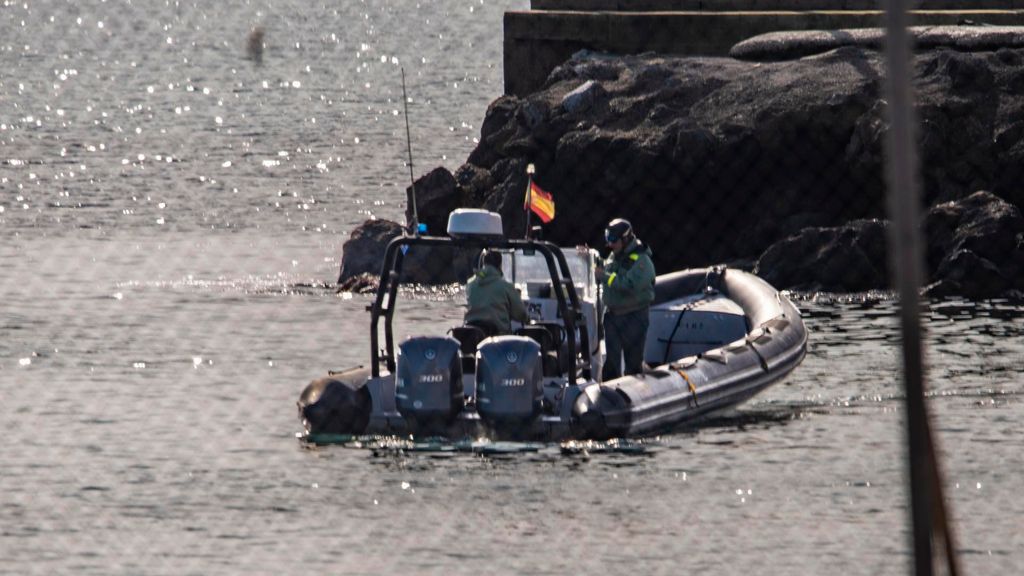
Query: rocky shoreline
[[773, 164]]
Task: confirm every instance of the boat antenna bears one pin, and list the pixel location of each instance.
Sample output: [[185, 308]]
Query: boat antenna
[[415, 224]]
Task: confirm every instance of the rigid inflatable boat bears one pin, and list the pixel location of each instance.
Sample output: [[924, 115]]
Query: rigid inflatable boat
[[717, 336]]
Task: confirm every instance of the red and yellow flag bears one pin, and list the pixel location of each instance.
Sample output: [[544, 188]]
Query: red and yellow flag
[[541, 202]]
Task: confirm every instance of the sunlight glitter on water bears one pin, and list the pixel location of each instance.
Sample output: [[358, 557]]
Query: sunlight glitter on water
[[134, 429]]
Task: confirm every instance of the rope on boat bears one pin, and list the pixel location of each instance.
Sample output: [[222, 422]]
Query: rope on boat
[[693, 389]]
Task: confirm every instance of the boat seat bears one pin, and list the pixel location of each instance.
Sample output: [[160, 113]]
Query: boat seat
[[488, 328], [548, 349], [469, 338]]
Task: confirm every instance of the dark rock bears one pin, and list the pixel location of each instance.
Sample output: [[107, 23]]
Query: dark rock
[[956, 98], [364, 251], [360, 283], [508, 130], [531, 114], [438, 265], [849, 258], [508, 194], [497, 122], [474, 182], [715, 159], [696, 152], [1008, 151], [975, 246], [968, 274], [436, 196], [981, 223], [363, 256], [582, 98]]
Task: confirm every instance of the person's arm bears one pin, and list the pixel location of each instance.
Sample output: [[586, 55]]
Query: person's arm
[[516, 308], [640, 275]]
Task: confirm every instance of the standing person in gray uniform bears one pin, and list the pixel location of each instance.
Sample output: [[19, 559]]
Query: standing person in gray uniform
[[627, 279]]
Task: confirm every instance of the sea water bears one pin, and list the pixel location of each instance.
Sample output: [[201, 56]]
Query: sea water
[[171, 220]]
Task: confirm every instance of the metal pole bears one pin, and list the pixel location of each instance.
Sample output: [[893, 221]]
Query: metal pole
[[529, 198], [415, 225], [907, 264]]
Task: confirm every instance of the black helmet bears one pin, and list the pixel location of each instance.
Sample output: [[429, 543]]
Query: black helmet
[[617, 229]]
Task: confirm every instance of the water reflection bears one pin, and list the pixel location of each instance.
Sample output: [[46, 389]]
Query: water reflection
[[92, 113]]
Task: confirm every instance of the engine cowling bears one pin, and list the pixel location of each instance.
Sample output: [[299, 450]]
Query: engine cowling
[[428, 383], [509, 382]]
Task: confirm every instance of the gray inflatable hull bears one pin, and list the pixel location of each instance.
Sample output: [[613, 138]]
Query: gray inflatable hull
[[764, 340]]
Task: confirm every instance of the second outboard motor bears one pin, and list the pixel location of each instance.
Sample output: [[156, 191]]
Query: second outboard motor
[[428, 384], [509, 383]]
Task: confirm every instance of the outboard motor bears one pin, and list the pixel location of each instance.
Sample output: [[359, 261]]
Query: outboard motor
[[509, 383], [428, 384]]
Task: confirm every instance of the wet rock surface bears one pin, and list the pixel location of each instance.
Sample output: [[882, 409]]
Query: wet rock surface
[[364, 253], [436, 197], [975, 247], [846, 258], [777, 165]]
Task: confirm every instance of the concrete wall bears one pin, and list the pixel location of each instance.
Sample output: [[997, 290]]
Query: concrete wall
[[538, 40], [762, 5]]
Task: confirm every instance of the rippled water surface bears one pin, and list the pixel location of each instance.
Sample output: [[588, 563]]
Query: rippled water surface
[[171, 220]]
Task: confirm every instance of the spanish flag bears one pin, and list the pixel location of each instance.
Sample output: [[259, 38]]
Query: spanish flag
[[541, 202]]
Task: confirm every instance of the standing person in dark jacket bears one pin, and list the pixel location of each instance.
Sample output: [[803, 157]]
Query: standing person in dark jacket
[[627, 278], [493, 301]]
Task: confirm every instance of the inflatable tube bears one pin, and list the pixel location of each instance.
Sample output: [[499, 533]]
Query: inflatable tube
[[750, 336], [687, 388], [337, 404]]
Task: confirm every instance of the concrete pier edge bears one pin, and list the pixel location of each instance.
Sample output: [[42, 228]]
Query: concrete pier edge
[[538, 40]]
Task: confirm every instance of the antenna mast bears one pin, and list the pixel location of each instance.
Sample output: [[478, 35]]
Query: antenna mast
[[415, 224]]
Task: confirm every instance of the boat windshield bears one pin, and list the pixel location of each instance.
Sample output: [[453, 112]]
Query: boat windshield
[[532, 269]]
